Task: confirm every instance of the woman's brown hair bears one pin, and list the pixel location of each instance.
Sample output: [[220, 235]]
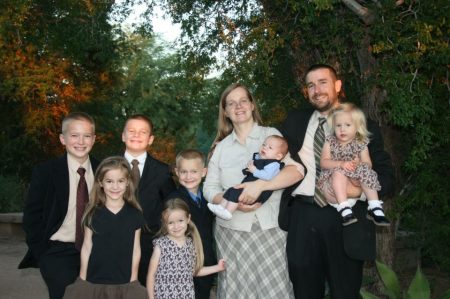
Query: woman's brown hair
[[224, 124]]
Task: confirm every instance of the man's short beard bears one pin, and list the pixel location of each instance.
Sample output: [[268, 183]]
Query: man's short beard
[[325, 108]]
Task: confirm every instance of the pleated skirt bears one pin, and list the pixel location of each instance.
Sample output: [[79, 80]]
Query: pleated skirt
[[86, 290], [256, 264]]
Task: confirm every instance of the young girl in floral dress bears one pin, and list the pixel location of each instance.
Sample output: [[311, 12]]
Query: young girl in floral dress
[[177, 255], [345, 160]]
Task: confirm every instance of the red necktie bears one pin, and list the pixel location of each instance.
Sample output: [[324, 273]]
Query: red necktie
[[82, 200]]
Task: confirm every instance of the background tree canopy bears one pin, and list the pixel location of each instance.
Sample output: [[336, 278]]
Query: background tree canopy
[[67, 55]]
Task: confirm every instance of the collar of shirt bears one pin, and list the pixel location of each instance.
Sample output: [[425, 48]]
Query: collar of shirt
[[315, 122], [255, 133], [141, 158], [74, 164], [195, 196]]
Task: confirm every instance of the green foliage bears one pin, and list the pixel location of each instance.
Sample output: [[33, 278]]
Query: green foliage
[[12, 195], [57, 56], [252, 49], [446, 295], [411, 47], [425, 208], [390, 280], [418, 289], [51, 62], [396, 69]]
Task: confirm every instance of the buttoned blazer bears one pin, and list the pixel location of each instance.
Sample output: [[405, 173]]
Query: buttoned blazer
[[155, 185], [46, 206], [359, 238]]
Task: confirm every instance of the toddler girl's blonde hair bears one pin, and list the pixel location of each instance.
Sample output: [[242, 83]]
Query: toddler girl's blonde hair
[[358, 117]]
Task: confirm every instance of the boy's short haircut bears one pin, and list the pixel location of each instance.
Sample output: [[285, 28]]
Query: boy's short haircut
[[189, 154], [76, 116], [140, 117], [283, 143]]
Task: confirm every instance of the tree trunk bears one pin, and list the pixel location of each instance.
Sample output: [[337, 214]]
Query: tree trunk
[[371, 101]]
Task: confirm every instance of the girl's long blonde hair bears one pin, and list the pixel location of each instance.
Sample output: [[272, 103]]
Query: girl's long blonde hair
[[191, 231], [97, 197], [224, 124], [358, 117]]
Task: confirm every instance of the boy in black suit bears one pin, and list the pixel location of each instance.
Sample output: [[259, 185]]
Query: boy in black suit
[[153, 178], [190, 169], [55, 203]]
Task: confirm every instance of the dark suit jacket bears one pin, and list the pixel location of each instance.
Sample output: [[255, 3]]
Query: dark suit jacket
[[155, 185], [46, 206], [359, 238], [203, 219]]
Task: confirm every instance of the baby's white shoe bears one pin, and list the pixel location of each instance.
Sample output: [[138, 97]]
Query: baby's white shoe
[[220, 211]]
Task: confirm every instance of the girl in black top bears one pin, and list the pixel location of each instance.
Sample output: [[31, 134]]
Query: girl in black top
[[112, 226]]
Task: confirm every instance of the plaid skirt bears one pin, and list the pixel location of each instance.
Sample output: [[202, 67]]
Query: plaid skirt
[[256, 265], [87, 290]]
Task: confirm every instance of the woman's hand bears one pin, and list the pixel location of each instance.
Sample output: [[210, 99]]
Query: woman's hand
[[251, 191], [248, 208]]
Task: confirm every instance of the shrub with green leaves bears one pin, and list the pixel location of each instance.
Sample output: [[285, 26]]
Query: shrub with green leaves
[[418, 289], [11, 195]]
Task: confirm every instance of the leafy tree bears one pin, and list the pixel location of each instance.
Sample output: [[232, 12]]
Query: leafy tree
[[52, 62], [154, 82], [393, 56]]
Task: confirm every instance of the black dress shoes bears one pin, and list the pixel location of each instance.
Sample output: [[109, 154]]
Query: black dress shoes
[[378, 220], [349, 218]]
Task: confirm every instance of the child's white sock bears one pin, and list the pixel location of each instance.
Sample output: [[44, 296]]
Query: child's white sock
[[341, 206], [375, 203]]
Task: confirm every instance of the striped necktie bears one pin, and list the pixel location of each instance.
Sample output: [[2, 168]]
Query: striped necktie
[[319, 139]]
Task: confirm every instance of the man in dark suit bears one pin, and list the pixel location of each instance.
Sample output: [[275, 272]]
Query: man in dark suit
[[50, 214], [153, 178], [190, 169], [318, 247]]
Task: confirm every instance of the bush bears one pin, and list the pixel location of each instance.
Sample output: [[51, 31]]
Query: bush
[[12, 194], [424, 209]]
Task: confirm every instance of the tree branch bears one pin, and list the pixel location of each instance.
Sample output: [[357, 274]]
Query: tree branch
[[365, 14]]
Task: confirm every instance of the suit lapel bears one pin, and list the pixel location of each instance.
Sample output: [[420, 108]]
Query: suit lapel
[[62, 184], [303, 126], [147, 173]]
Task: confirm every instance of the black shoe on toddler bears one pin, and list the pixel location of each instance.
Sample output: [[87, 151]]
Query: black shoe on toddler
[[379, 220], [349, 218]]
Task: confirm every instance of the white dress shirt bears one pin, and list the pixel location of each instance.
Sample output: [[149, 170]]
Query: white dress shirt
[[66, 233], [141, 158]]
